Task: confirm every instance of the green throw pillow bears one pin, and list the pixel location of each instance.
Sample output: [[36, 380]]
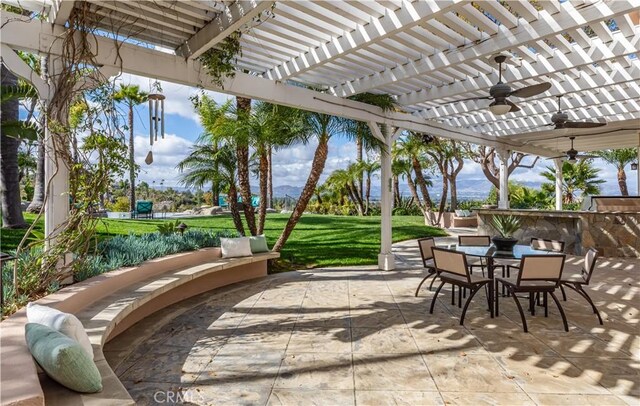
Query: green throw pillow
[[63, 359], [258, 244]]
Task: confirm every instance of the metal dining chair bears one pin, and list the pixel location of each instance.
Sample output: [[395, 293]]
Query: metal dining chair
[[452, 268], [425, 245], [577, 282], [476, 241], [537, 274], [541, 244]]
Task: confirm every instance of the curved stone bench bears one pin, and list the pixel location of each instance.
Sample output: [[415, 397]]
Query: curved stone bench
[[107, 305]]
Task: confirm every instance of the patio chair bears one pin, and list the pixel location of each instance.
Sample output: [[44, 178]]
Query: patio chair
[[144, 208], [538, 274], [478, 241], [425, 245], [541, 244], [452, 268], [578, 281]]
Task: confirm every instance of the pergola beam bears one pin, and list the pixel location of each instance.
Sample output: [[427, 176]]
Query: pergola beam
[[378, 29], [544, 27], [232, 19], [35, 37]]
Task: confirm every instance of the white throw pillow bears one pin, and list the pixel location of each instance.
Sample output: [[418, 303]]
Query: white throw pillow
[[235, 247], [466, 213], [66, 323], [459, 213]]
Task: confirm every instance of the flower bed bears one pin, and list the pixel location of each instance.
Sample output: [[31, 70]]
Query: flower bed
[[111, 254]]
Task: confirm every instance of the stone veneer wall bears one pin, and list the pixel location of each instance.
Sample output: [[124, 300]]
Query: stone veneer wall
[[613, 234]]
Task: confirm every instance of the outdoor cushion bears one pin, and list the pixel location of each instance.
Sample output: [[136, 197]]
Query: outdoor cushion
[[66, 323], [63, 359], [466, 213], [258, 244], [459, 213], [235, 247]]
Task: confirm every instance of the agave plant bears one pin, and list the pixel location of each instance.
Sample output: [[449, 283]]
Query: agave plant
[[505, 225]]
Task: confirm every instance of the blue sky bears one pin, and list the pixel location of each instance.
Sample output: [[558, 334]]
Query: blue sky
[[291, 166]]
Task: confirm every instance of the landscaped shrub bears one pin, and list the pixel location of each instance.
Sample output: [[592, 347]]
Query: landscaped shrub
[[111, 254], [120, 204]]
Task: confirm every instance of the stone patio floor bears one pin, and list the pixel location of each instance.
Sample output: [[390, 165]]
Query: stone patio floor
[[359, 336]]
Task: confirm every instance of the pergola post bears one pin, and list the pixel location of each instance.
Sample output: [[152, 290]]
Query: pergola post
[[638, 162], [56, 204], [558, 165], [503, 198], [386, 261]]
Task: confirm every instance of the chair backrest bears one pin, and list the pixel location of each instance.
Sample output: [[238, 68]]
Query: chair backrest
[[425, 245], [474, 240], [547, 245], [451, 262], [590, 259], [144, 206], [541, 268]]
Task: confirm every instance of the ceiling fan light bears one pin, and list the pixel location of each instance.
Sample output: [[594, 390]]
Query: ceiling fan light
[[572, 159], [500, 109]]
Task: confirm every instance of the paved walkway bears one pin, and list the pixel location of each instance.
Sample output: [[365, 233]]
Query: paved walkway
[[359, 336]]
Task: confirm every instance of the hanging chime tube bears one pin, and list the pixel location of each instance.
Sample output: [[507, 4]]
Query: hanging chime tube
[[156, 118], [150, 122], [162, 119]]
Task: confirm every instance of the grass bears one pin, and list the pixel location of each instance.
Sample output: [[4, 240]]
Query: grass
[[317, 240]]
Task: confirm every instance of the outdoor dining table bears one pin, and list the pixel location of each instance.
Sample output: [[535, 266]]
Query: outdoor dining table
[[490, 254]]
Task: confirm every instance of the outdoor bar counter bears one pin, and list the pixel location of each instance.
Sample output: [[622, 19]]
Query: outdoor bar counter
[[613, 234]]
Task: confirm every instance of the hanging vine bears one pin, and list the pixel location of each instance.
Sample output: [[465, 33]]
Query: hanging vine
[[220, 62], [92, 166]]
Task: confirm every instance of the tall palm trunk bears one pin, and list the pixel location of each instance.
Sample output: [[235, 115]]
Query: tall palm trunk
[[396, 190], [420, 181], [367, 194], [622, 182], [37, 202], [360, 156], [233, 206], [270, 177], [9, 169], [354, 195], [132, 163], [443, 199], [317, 167], [215, 186], [263, 175], [242, 154]]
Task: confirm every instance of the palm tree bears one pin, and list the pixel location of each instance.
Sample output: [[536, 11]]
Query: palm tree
[[321, 127], [132, 96], [581, 177], [620, 158], [9, 170], [400, 168], [206, 164], [360, 131], [412, 148], [368, 168]]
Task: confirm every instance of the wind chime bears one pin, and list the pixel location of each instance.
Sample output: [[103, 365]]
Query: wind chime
[[156, 118]]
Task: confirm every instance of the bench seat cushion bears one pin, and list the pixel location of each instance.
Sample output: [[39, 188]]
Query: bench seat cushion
[[63, 359]]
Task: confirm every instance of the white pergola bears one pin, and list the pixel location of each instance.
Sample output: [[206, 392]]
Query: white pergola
[[427, 54]]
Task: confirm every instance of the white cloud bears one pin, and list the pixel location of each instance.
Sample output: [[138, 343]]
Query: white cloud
[[177, 101], [167, 153]]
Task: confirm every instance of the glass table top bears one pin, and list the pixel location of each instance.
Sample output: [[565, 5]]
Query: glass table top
[[490, 251]]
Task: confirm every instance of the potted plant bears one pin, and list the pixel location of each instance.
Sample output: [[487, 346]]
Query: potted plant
[[506, 227]]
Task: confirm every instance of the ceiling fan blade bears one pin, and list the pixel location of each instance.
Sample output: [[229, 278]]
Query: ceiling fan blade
[[531, 90], [556, 157], [586, 156], [583, 124], [514, 108]]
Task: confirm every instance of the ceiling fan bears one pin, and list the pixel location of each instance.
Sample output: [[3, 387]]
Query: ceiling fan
[[560, 120], [572, 154], [500, 92]]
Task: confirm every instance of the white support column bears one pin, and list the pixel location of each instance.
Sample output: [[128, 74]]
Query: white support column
[[56, 205], [386, 260], [558, 164], [638, 162], [503, 198]]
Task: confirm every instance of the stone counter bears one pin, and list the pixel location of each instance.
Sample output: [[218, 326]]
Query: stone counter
[[615, 234]]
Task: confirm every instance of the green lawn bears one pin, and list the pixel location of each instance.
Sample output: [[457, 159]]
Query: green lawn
[[318, 240]]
